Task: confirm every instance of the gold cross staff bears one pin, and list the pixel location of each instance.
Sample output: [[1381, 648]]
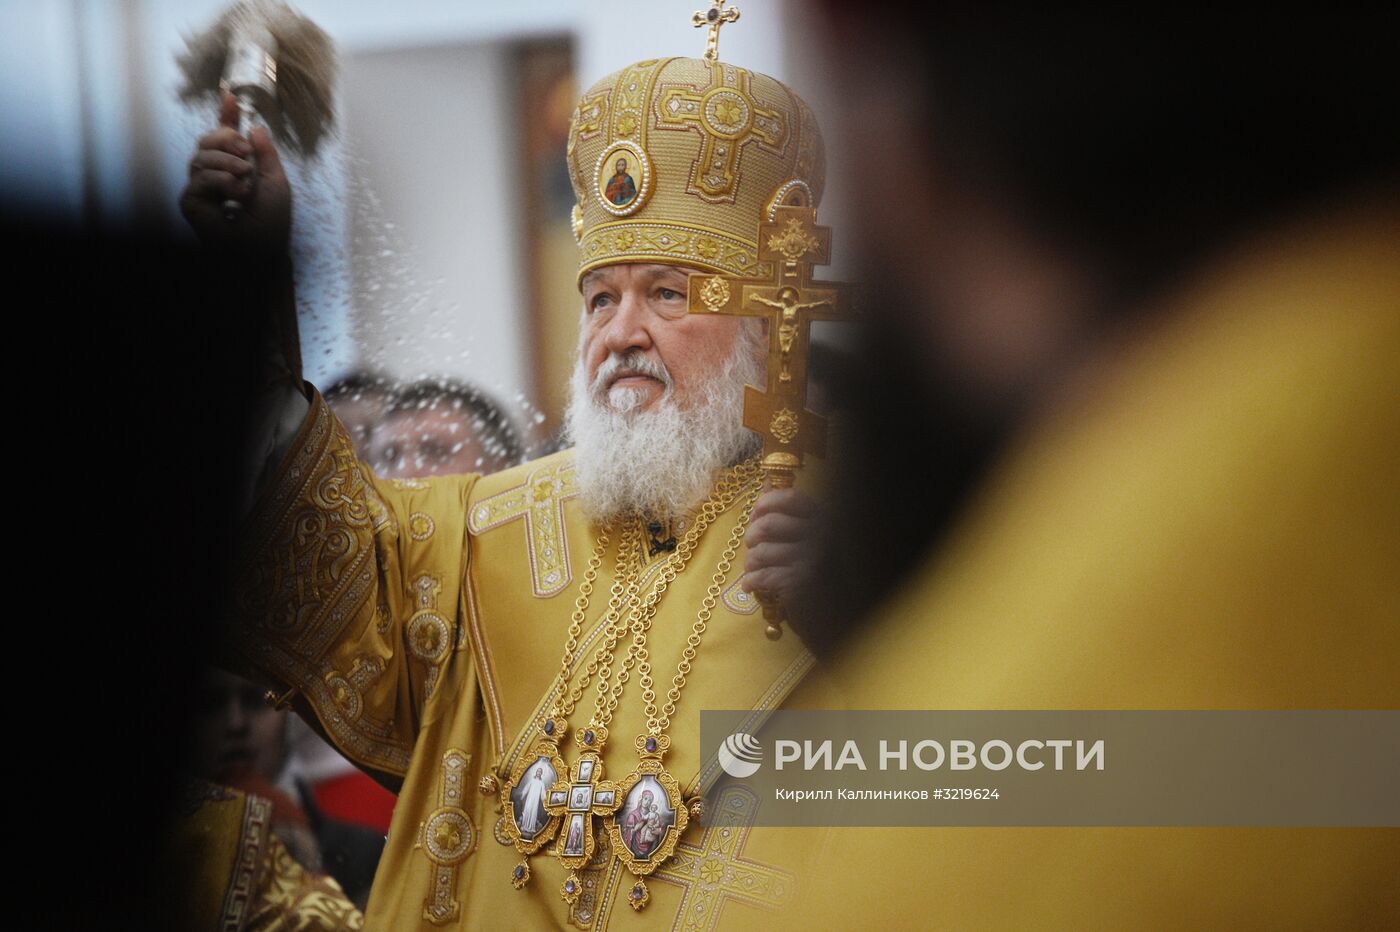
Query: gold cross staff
[[715, 17], [790, 300]]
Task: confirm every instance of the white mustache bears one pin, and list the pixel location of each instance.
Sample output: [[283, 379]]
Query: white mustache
[[632, 362]]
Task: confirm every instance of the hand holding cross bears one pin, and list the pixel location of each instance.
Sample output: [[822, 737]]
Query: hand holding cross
[[790, 299]]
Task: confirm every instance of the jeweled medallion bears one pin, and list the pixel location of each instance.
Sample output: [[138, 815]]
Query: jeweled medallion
[[644, 830], [528, 822]]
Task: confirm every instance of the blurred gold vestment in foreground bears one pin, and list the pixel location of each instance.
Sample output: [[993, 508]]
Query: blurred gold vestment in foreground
[[1213, 522]]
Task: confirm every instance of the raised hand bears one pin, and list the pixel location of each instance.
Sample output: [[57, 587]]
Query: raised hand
[[226, 166]]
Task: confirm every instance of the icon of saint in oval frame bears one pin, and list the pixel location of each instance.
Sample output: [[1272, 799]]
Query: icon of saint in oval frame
[[623, 178], [651, 819]]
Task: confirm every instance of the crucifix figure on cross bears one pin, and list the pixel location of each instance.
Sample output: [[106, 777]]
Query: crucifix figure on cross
[[790, 299]]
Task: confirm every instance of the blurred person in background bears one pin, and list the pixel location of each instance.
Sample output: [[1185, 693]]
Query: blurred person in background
[[241, 741], [246, 853], [360, 400], [438, 427], [241, 735]]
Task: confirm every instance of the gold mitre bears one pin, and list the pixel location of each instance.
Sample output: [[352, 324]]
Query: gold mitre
[[677, 160]]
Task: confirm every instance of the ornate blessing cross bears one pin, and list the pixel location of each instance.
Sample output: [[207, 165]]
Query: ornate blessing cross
[[578, 801], [715, 17], [790, 300]]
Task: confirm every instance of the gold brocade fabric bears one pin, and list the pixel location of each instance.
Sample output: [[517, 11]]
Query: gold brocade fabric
[[676, 160], [1214, 523], [239, 877], [421, 623]]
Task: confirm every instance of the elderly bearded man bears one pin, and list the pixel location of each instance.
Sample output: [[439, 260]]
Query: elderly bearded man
[[453, 635]]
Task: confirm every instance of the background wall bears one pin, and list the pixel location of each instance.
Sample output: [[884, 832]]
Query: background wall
[[408, 239]]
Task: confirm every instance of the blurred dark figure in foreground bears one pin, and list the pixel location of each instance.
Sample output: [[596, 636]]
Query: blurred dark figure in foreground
[[438, 427], [153, 419], [1133, 441]]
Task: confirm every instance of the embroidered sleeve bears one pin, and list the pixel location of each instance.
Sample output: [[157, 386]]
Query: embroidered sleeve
[[288, 898], [348, 589]]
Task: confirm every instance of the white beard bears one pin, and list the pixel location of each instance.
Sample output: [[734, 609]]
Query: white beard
[[659, 463]]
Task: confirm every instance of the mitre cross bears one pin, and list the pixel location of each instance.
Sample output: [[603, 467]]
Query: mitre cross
[[715, 17]]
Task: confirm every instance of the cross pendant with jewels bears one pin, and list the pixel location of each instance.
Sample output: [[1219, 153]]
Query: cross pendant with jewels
[[579, 800]]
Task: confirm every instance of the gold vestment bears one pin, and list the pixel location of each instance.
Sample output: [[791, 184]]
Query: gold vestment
[[421, 623]]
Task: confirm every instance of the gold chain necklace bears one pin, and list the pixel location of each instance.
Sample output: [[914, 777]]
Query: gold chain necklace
[[537, 806], [527, 824], [652, 810]]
